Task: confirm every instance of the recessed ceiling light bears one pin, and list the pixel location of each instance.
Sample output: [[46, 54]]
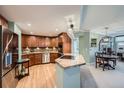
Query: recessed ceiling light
[[31, 32], [56, 29], [29, 24]]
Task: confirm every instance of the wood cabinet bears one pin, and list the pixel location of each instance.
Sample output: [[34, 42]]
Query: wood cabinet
[[35, 41], [47, 42], [38, 58], [3, 21], [60, 39], [32, 60], [32, 42], [29, 41], [24, 56], [24, 39], [65, 40], [14, 59], [54, 42], [53, 56], [41, 41]]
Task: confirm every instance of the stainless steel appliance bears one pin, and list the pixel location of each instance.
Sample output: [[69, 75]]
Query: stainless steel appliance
[[8, 47], [8, 59], [46, 57]]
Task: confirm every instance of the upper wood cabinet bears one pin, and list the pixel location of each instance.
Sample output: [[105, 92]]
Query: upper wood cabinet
[[3, 21], [24, 41], [41, 41], [65, 40], [32, 41], [60, 39], [47, 42], [54, 42], [29, 41]]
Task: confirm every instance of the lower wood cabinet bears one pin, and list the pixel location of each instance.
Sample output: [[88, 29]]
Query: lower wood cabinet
[[14, 59], [38, 58], [34, 59], [53, 56]]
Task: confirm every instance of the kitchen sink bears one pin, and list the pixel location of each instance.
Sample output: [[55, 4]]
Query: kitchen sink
[[67, 57]]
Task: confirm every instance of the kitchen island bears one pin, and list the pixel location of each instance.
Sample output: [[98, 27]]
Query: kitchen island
[[68, 71]]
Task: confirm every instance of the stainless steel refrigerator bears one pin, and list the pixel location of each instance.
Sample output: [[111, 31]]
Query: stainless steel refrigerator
[[8, 50]]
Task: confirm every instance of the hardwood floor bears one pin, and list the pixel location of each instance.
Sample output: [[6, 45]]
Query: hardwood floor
[[41, 76]]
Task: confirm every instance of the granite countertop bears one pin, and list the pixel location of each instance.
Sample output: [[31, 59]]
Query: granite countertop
[[39, 52], [23, 60], [66, 63]]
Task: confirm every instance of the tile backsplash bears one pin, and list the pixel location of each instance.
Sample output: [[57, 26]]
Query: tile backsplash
[[39, 49]]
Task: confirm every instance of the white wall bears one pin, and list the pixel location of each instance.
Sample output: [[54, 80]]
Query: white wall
[[94, 49]]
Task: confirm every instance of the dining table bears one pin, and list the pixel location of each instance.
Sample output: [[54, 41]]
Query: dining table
[[107, 59]]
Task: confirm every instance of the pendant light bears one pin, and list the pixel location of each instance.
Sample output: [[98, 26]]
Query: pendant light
[[106, 30], [106, 38]]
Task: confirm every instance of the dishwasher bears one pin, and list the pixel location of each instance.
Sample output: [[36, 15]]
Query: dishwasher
[[46, 57]]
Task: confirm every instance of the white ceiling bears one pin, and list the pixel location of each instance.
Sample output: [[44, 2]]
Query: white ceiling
[[97, 17], [44, 19]]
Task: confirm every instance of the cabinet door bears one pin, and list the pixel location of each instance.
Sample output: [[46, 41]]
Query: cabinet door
[[53, 56], [40, 41], [66, 43], [32, 41], [56, 42], [23, 41], [3, 21], [47, 42], [14, 59], [32, 59], [53, 42], [60, 39], [38, 58], [26, 41]]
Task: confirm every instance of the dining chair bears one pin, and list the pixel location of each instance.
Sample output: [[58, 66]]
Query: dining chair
[[98, 59]]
